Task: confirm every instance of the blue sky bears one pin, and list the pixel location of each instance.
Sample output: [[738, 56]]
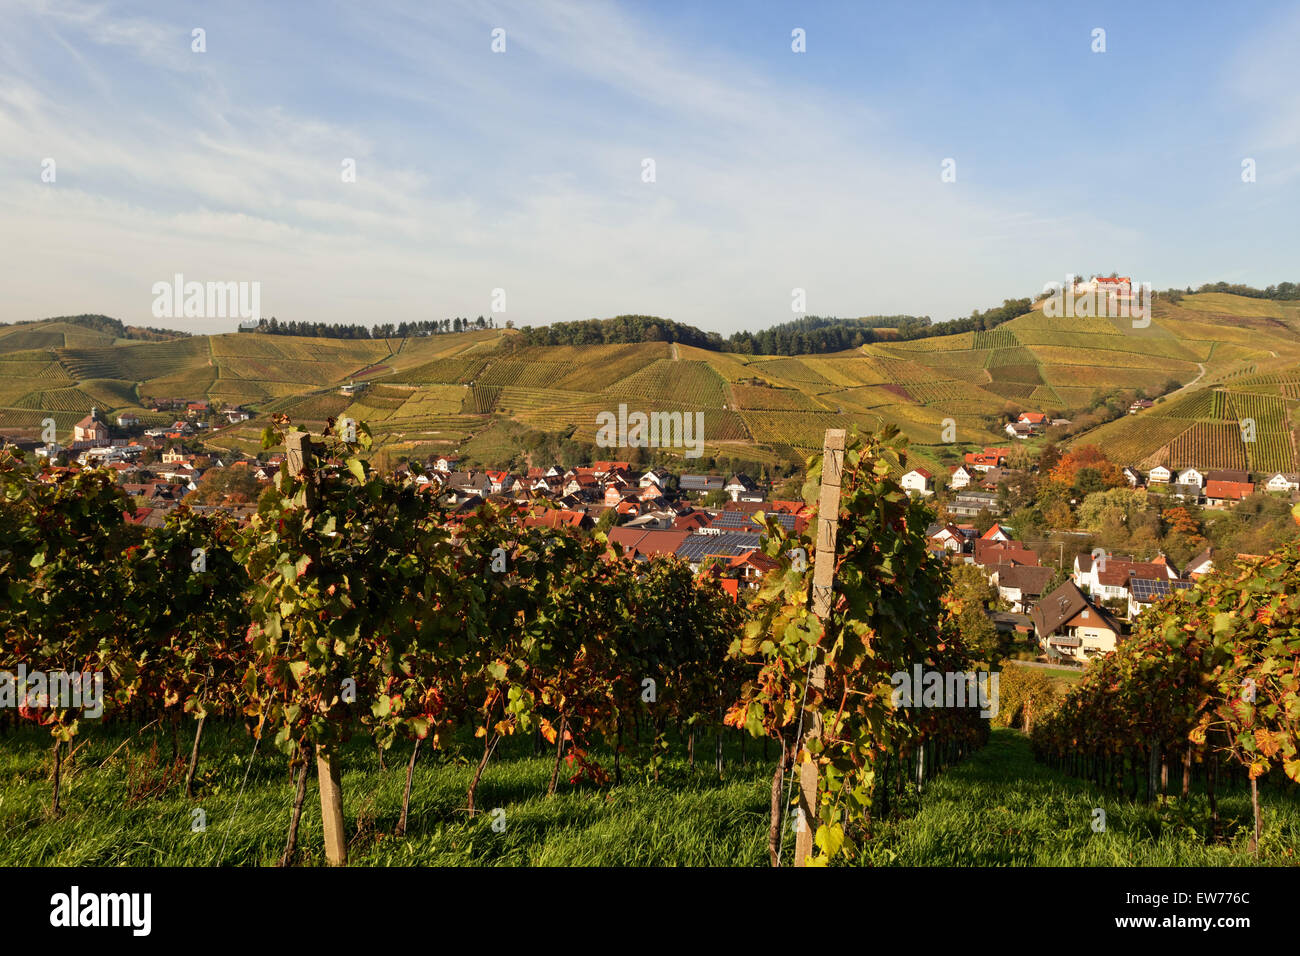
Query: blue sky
[[522, 170]]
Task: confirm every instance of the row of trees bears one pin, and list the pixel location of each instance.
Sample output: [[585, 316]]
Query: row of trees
[[803, 336], [383, 330], [1283, 290], [1210, 678]]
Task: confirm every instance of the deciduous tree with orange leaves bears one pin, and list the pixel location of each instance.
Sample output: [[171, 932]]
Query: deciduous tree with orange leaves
[[1068, 470]]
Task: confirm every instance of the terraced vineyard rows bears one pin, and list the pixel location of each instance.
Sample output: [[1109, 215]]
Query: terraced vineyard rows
[[1207, 445], [135, 363], [790, 370], [995, 339], [313, 408], [57, 400], [109, 393], [1133, 445], [940, 391], [480, 399], [47, 373], [693, 384], [1017, 355], [445, 371], [1273, 448], [514, 400], [776, 399], [522, 374], [1019, 391], [32, 419], [804, 430]]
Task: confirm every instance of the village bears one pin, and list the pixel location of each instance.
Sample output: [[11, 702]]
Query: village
[[714, 522]]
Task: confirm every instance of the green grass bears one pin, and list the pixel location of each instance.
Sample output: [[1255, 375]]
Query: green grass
[[998, 807], [1001, 808], [688, 818]]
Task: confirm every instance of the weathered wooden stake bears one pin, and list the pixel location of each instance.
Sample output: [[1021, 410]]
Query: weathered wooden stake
[[828, 519], [331, 807]]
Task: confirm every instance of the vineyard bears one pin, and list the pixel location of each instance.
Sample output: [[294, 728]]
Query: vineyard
[[1031, 363], [479, 399], [691, 384], [776, 399], [801, 429], [351, 609], [1209, 446], [1209, 428], [995, 339], [440, 372], [1209, 685]]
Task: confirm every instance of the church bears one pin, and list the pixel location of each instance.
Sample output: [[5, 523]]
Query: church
[[90, 428]]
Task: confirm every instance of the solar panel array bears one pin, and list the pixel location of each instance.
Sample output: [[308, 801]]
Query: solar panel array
[[1146, 589], [741, 519], [697, 546]]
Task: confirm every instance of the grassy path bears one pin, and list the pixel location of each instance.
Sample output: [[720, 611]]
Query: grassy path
[[1001, 808], [997, 808]]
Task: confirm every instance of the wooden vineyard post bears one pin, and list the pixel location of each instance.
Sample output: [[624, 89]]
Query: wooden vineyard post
[[331, 806], [828, 519], [299, 450]]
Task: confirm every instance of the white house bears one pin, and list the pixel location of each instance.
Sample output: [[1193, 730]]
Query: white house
[[128, 420], [1019, 430], [918, 480], [1283, 481], [1200, 565], [961, 477], [738, 486], [1160, 474], [1070, 625], [655, 476], [995, 533], [502, 481], [1190, 476], [950, 538], [1132, 476]]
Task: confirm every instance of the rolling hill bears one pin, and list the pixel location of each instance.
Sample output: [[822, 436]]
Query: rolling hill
[[1236, 358]]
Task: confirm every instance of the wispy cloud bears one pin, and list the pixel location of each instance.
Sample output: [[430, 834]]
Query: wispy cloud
[[522, 171]]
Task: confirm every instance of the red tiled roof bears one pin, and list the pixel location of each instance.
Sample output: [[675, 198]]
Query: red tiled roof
[[1231, 490], [1117, 572], [755, 559], [689, 522], [637, 541], [555, 518]]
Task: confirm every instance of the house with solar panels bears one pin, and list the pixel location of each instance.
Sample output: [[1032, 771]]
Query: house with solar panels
[[696, 549], [700, 484], [747, 521], [1144, 592]]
